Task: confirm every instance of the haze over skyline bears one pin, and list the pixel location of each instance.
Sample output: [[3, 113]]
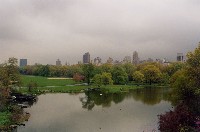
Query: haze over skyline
[[44, 30]]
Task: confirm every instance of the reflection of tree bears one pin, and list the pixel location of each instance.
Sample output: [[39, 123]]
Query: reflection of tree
[[149, 95], [87, 103], [118, 97], [93, 98]]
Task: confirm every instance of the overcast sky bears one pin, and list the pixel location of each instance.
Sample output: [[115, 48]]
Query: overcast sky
[[45, 30]]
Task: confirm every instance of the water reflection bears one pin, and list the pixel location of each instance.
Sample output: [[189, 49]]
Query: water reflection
[[97, 111], [147, 95], [151, 95]]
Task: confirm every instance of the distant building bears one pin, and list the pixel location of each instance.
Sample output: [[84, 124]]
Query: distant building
[[23, 62], [149, 60], [135, 60], [86, 58], [127, 59], [97, 61], [110, 60], [58, 62], [160, 61], [180, 57]]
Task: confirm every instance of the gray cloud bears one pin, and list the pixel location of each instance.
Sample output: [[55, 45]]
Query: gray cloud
[[44, 30]]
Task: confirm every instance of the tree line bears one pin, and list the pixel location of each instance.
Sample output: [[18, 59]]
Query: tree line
[[108, 73]]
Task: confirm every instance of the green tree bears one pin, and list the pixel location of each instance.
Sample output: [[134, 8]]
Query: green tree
[[186, 82], [97, 79], [32, 86], [106, 79], [193, 69], [13, 72], [173, 67], [119, 75], [165, 78], [88, 70], [182, 89], [44, 71], [106, 68], [129, 69], [97, 70], [138, 77], [74, 69], [151, 74]]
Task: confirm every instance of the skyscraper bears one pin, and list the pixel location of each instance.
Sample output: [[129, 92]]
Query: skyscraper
[[135, 60], [97, 61], [86, 58], [23, 62], [180, 57], [58, 62]]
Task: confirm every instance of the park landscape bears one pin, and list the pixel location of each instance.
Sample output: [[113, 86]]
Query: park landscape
[[111, 88]]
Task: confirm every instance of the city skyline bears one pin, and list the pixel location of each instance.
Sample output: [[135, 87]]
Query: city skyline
[[86, 58], [43, 31]]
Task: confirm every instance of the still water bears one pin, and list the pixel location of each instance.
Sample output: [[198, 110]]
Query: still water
[[98, 111]]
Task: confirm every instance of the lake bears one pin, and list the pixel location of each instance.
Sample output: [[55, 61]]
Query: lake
[[98, 111]]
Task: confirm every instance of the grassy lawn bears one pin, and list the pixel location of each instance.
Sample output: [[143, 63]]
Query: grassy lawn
[[44, 81], [63, 85]]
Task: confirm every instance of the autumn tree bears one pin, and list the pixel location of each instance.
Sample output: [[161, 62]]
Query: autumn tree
[[151, 73], [186, 82], [138, 77], [106, 78], [77, 77]]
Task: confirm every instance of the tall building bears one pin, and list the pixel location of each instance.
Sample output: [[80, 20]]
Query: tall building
[[86, 58], [135, 60], [180, 57], [23, 62], [127, 59], [58, 62], [97, 61]]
